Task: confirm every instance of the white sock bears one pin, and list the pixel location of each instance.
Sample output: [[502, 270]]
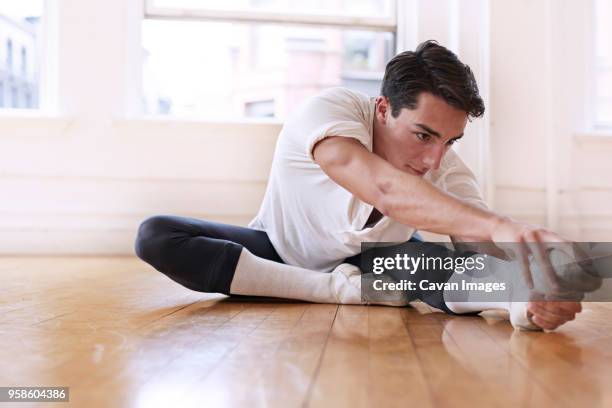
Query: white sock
[[515, 302], [497, 272], [255, 276], [566, 269], [517, 311], [572, 277], [470, 307]]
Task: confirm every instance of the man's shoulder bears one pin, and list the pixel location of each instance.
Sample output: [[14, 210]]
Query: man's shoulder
[[340, 102], [341, 93], [332, 105]]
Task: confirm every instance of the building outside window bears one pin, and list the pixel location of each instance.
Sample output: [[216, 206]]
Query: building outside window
[[20, 32], [14, 97], [9, 55], [259, 109], [226, 59], [24, 62]]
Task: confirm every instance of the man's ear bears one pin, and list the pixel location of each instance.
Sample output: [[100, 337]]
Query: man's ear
[[382, 109]]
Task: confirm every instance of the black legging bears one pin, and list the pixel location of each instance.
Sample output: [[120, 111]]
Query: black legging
[[202, 255]]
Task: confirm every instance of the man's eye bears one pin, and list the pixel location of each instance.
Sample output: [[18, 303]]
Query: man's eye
[[452, 142], [423, 136]]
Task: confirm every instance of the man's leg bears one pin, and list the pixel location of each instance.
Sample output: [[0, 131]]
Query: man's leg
[[449, 302], [419, 248], [200, 255], [212, 257]]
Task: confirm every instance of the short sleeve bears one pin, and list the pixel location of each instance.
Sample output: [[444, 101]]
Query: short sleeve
[[349, 129], [334, 112]]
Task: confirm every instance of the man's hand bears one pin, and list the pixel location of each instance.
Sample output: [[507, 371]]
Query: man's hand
[[550, 315], [529, 239]]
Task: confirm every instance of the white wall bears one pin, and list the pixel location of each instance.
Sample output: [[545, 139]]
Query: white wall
[[534, 153], [71, 186], [80, 179], [545, 171]]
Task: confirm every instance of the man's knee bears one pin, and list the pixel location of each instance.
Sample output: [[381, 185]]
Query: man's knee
[[198, 263], [151, 234]]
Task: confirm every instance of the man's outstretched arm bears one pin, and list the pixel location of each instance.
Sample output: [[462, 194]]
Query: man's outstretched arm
[[404, 197], [416, 202]]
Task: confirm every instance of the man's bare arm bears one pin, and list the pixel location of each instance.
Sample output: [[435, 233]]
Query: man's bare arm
[[482, 247], [415, 202], [401, 196]]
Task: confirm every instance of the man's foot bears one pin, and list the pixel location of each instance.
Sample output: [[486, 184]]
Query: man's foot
[[347, 282], [573, 277]]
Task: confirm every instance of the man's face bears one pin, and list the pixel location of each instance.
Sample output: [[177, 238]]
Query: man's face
[[416, 140]]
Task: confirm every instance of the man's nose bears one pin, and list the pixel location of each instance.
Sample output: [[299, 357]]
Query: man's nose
[[433, 158]]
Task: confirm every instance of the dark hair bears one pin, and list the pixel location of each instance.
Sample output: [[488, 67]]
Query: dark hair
[[435, 69]]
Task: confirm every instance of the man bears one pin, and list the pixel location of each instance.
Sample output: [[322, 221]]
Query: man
[[349, 169]]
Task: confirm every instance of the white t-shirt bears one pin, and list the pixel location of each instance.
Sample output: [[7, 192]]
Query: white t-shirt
[[311, 220]]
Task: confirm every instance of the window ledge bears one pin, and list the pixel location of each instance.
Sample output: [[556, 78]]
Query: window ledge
[[16, 123], [197, 126], [201, 121], [594, 137], [20, 114]]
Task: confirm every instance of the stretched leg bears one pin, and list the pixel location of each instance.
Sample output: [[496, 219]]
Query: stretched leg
[[415, 248], [452, 301], [200, 255]]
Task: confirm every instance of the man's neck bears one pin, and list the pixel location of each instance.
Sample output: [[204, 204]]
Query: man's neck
[[377, 143]]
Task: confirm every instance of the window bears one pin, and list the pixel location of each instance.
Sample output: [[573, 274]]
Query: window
[[19, 39], [28, 99], [14, 97], [24, 62], [259, 109], [9, 55], [260, 58], [603, 63]]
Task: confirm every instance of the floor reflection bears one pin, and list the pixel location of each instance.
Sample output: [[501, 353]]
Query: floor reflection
[[525, 361]]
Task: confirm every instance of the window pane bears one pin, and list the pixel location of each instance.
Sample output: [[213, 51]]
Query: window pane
[[371, 8], [19, 36], [604, 99], [236, 70], [604, 63]]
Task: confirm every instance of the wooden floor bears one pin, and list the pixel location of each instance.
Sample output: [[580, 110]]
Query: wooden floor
[[120, 334]]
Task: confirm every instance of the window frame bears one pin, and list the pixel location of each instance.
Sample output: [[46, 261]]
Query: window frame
[[262, 17], [596, 69]]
